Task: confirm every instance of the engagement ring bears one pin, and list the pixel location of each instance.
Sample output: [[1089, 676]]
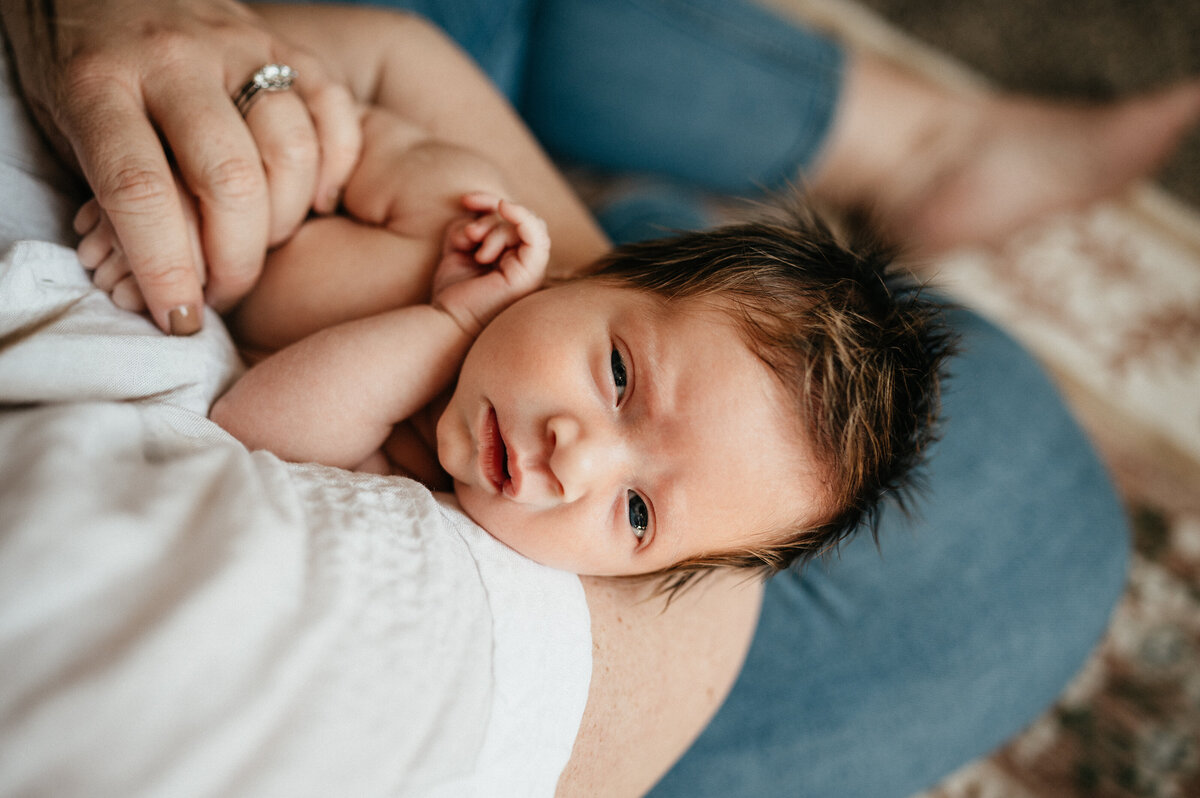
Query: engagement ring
[[271, 77]]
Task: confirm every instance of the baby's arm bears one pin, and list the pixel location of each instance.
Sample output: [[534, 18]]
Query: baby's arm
[[334, 396], [381, 253]]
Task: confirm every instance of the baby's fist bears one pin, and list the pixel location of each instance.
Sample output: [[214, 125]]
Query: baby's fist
[[490, 260]]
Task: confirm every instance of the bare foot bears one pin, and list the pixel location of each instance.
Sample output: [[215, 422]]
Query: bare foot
[[943, 169]]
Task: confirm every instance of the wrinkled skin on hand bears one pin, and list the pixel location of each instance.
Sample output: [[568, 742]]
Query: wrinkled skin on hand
[[136, 95]]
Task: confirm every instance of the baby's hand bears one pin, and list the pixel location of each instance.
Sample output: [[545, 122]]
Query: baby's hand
[[100, 253], [489, 261]]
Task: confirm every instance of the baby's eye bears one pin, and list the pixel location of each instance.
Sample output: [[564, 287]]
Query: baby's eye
[[620, 378], [639, 514]]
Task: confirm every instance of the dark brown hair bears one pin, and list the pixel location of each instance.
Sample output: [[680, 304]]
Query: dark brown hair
[[857, 346]]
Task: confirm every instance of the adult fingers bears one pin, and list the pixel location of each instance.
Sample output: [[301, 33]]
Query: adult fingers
[[110, 88], [310, 139], [122, 158], [287, 145], [220, 165], [247, 205], [335, 118]]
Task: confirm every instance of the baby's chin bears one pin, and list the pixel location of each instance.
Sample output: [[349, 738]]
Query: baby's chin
[[474, 502]]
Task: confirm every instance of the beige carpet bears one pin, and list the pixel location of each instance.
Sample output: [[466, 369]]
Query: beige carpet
[[1109, 300]]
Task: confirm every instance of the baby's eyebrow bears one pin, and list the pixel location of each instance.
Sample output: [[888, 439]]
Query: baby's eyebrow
[[643, 365]]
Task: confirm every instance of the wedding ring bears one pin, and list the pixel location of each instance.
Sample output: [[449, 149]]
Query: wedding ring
[[270, 77]]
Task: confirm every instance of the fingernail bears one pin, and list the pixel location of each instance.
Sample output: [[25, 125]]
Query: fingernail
[[185, 320]]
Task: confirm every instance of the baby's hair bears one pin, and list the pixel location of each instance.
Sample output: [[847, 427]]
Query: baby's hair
[[857, 347]]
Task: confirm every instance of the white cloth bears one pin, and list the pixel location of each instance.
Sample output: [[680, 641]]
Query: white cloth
[[181, 617]]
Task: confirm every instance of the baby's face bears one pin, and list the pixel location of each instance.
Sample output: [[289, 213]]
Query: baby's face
[[596, 431]]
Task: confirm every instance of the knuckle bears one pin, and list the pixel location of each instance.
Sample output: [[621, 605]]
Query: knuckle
[[166, 44], [160, 277], [134, 187], [231, 180], [87, 70]]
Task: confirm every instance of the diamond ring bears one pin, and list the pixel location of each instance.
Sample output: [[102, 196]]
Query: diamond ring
[[270, 77]]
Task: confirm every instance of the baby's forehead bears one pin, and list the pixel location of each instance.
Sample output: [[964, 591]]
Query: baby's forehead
[[704, 306]]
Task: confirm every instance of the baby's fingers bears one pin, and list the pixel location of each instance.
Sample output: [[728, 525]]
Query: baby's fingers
[[480, 202], [534, 250], [458, 237], [127, 295], [529, 226], [110, 271], [498, 239], [100, 252], [87, 217], [97, 238]]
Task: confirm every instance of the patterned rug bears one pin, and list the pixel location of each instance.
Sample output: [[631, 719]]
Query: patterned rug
[[1109, 300]]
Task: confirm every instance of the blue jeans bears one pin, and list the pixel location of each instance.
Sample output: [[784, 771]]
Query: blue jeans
[[656, 86], [884, 670], [881, 671]]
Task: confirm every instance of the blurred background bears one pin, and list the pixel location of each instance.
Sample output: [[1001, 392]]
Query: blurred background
[[1109, 300], [1089, 49]]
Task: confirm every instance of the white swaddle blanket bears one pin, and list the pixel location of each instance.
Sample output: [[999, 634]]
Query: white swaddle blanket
[[181, 617]]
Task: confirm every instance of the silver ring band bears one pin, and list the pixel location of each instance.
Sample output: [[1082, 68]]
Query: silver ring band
[[270, 77]]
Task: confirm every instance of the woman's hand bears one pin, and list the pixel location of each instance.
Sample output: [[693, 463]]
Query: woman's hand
[[129, 89], [100, 253], [490, 261]]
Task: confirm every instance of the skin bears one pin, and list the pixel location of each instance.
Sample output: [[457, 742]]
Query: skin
[[955, 168], [971, 167], [657, 677], [596, 429], [592, 427], [106, 91], [102, 95]]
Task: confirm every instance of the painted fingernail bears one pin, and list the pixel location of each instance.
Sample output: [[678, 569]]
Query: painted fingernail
[[185, 320]]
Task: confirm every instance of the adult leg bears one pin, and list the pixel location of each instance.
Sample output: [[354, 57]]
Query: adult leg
[[883, 670], [720, 94], [731, 97]]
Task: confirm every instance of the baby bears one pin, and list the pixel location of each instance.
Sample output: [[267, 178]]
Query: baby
[[737, 397]]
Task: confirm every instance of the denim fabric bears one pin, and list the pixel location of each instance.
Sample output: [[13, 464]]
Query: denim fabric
[[495, 32], [883, 670], [878, 673], [719, 93]]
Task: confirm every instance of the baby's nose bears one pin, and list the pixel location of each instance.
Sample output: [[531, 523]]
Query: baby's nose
[[582, 458]]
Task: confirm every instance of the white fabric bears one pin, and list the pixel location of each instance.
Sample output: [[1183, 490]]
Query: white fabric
[[180, 617]]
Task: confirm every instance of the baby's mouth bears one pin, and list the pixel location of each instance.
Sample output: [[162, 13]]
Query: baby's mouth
[[493, 454]]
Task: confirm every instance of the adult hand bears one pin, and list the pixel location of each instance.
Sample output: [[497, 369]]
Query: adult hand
[[128, 89]]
